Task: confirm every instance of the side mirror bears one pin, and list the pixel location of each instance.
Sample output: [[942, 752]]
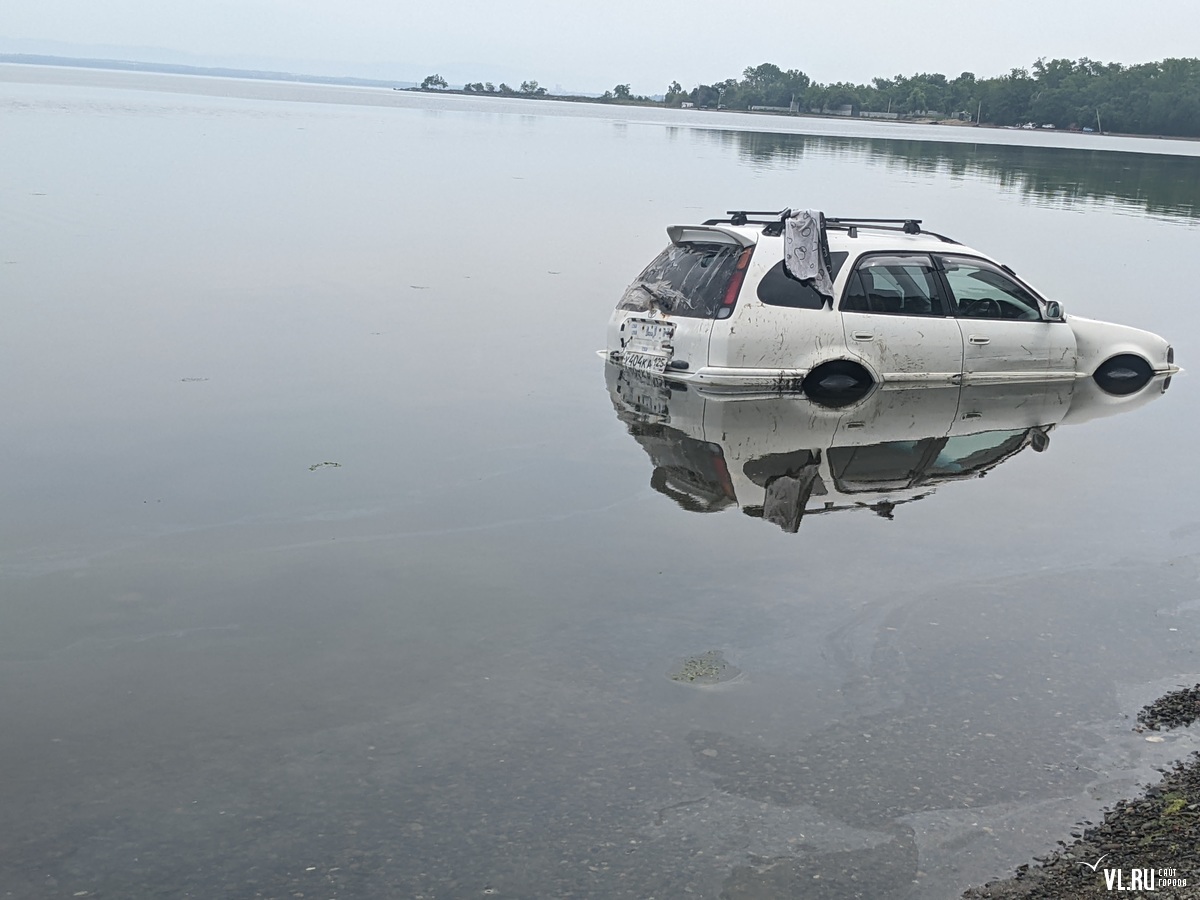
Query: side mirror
[[1054, 311]]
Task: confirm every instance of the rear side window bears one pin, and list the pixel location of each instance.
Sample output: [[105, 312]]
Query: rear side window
[[778, 288], [687, 280], [895, 285]]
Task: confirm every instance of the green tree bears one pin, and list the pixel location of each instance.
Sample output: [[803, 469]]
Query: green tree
[[705, 96], [434, 81], [1149, 98], [842, 94], [1006, 99], [916, 101], [621, 92]]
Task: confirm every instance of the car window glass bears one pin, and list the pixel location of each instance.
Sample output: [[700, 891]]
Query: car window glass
[[894, 285], [983, 291], [692, 473], [887, 466], [973, 453], [778, 288], [685, 280]]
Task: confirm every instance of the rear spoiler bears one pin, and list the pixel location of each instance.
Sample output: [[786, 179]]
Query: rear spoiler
[[707, 234]]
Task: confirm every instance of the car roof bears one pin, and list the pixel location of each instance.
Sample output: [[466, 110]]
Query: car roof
[[873, 240], [853, 236]]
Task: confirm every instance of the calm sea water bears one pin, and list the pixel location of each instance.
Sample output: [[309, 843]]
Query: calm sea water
[[329, 568]]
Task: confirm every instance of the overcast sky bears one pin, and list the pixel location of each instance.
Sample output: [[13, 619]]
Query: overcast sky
[[596, 45]]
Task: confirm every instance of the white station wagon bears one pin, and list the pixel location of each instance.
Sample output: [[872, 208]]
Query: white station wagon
[[719, 308]]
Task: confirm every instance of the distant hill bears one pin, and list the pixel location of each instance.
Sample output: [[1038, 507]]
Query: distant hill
[[32, 59]]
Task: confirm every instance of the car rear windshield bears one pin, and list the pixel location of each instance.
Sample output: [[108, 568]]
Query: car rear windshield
[[685, 280]]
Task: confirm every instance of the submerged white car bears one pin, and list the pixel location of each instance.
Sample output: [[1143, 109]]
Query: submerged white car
[[719, 307]]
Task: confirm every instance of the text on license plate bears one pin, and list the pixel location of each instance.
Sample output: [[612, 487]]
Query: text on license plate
[[645, 362]]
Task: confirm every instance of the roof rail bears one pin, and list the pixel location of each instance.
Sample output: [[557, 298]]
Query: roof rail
[[742, 217], [908, 226], [777, 216], [773, 221]]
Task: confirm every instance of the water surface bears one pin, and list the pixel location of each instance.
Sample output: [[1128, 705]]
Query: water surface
[[442, 667]]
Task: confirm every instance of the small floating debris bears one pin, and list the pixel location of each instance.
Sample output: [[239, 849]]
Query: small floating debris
[[419, 287], [324, 465], [706, 668], [193, 379]]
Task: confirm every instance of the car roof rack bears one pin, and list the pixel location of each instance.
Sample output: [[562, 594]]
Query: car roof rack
[[908, 226], [772, 222]]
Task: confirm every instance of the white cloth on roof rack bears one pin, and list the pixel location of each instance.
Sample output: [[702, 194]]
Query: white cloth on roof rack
[[805, 251]]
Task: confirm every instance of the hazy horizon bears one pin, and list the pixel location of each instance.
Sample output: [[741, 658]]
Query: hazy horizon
[[592, 50]]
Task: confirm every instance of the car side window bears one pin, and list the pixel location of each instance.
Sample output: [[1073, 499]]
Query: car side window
[[973, 453], [888, 466], [778, 288], [894, 285], [984, 291]]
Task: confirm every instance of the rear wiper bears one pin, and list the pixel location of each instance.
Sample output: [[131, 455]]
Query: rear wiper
[[663, 301]]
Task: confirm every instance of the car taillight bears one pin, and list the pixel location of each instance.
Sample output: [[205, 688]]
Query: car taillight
[[735, 284], [721, 470]]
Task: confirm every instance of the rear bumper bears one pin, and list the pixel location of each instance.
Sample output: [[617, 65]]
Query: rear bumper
[[717, 376]]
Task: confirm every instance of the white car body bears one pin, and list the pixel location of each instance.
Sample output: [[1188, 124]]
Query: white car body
[[908, 307]]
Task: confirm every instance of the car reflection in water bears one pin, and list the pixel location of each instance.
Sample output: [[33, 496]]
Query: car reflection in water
[[782, 457]]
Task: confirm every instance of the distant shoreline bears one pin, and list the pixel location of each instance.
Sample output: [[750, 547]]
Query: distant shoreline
[[133, 66], [122, 65]]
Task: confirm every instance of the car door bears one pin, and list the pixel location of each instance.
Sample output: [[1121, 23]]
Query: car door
[[897, 319], [1005, 334]]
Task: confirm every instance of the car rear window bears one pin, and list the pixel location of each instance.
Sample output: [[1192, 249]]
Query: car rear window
[[685, 280], [778, 288]]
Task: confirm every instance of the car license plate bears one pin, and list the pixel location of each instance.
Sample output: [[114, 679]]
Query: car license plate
[[647, 345], [644, 362]]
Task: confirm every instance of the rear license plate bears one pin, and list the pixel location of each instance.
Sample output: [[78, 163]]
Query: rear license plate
[[647, 345], [644, 362]]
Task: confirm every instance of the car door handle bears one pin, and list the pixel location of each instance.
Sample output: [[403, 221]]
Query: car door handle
[[978, 339], [863, 336]]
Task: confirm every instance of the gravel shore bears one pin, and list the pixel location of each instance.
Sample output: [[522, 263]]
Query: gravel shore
[[1159, 831]]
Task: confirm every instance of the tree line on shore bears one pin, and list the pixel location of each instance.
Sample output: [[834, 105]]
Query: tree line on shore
[[1147, 98]]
